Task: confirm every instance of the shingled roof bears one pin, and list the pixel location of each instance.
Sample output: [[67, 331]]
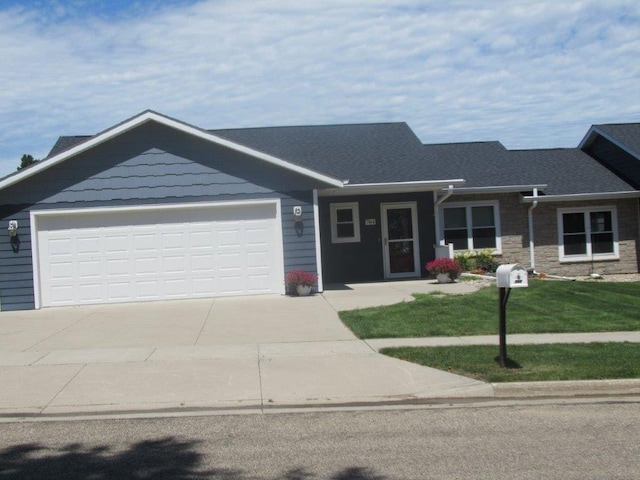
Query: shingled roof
[[361, 153], [564, 171], [391, 152]]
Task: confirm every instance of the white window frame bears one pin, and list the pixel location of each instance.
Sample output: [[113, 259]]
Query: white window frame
[[589, 256], [355, 215], [467, 206]]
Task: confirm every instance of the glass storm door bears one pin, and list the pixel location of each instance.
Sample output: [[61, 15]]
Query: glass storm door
[[400, 240]]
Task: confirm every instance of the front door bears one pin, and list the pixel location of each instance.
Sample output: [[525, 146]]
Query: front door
[[401, 251]]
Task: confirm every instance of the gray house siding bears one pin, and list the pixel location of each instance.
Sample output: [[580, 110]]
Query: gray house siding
[[150, 165], [16, 272], [623, 164], [363, 261]]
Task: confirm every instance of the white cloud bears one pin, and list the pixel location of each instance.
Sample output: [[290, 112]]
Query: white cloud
[[530, 75]]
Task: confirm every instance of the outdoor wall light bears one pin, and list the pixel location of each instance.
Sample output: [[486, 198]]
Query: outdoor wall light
[[13, 228]]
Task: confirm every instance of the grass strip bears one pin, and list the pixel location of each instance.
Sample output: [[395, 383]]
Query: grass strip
[[527, 363], [544, 307]]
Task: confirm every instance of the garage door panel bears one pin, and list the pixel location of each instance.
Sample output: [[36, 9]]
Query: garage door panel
[[175, 265], [173, 241], [115, 243], [62, 271], [147, 266], [229, 238], [88, 269], [120, 291], [145, 242], [128, 256], [200, 239], [62, 295], [203, 263], [91, 292], [147, 289], [117, 267], [60, 246]]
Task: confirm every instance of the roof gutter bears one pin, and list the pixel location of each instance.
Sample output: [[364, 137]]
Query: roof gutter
[[581, 197], [394, 187], [499, 189]]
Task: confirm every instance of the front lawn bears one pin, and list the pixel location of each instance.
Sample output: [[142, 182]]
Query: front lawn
[[591, 361], [544, 307]]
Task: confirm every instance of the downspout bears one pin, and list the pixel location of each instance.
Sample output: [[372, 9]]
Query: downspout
[[316, 223], [436, 212], [532, 255]]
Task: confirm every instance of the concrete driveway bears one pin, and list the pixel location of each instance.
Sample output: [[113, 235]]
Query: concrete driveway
[[230, 352], [219, 321]]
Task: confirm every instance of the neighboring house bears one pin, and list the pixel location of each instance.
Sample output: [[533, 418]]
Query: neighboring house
[[154, 208], [617, 146]]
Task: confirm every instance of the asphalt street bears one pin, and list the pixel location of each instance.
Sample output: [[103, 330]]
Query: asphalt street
[[577, 439]]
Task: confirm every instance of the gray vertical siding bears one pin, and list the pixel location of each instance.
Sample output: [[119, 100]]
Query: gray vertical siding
[[363, 261], [150, 165]]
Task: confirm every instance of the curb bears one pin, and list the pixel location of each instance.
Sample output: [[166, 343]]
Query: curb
[[516, 391], [571, 388]]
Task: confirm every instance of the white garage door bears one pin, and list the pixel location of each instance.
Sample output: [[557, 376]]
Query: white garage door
[[158, 254]]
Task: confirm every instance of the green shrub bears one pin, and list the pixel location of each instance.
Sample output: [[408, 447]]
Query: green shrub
[[482, 260]]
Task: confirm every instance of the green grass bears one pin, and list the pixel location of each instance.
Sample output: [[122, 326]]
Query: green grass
[[592, 361], [544, 307]]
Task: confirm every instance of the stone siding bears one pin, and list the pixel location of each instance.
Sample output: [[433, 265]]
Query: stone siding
[[546, 238]]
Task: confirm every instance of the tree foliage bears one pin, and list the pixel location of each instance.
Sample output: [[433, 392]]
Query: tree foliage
[[26, 160]]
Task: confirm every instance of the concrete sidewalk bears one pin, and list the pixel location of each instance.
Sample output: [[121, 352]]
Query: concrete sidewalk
[[512, 339]]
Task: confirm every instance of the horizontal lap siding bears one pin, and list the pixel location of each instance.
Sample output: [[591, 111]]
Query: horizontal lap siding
[[149, 166], [16, 271], [299, 245]]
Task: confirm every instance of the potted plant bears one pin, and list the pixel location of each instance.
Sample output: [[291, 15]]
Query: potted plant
[[299, 282], [445, 269]]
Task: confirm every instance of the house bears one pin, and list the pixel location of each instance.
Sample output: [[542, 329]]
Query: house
[[154, 208]]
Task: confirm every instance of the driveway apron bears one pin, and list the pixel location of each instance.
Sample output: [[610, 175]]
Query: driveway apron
[[231, 352]]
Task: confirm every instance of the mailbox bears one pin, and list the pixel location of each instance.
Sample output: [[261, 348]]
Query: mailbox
[[511, 275]]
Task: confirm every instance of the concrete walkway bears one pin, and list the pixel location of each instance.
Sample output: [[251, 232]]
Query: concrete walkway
[[255, 352]]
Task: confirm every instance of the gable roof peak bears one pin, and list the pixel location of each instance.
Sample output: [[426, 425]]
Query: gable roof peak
[[150, 115]]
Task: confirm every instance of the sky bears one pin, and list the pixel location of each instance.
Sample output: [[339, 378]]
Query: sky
[[531, 74]]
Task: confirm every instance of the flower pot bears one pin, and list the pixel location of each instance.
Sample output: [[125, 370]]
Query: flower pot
[[303, 290], [443, 278]]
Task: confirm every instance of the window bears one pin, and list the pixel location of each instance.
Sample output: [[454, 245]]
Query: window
[[472, 226], [587, 234], [345, 222]]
